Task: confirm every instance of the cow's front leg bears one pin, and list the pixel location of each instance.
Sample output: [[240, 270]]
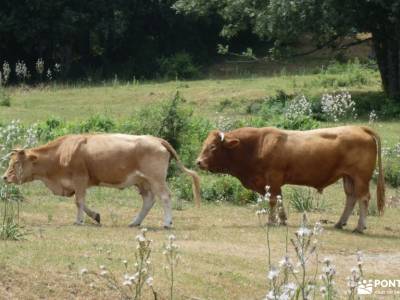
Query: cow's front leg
[[94, 215], [80, 204]]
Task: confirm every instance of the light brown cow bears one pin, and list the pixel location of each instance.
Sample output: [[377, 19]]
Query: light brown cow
[[315, 158], [71, 164]]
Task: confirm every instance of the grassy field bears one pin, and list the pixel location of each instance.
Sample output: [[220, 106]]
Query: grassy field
[[223, 249]]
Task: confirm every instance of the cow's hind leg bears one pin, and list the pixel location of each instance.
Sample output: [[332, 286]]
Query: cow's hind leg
[[148, 202], [349, 190], [162, 191], [363, 196]]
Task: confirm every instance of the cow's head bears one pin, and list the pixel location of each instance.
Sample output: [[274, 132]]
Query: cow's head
[[20, 168], [216, 151]]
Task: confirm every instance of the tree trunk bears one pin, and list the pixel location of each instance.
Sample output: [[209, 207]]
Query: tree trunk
[[387, 50]]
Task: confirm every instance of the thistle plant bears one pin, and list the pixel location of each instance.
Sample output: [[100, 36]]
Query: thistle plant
[[13, 135], [263, 208], [338, 106], [57, 68], [40, 67], [372, 117], [49, 74], [6, 72], [356, 276], [21, 70], [298, 107], [172, 259], [327, 277], [136, 277]]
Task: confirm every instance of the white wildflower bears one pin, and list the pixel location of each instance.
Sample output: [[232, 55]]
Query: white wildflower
[[273, 273]]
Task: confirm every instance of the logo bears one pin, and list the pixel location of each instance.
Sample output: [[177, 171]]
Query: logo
[[379, 287], [365, 288]]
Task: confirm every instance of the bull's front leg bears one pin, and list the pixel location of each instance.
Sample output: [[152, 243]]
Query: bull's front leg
[[276, 207]]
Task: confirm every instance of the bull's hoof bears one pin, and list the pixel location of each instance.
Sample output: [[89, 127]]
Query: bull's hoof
[[97, 218], [133, 224], [339, 226], [358, 231]]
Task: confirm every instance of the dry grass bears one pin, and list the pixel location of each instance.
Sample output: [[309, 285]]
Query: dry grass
[[222, 246]]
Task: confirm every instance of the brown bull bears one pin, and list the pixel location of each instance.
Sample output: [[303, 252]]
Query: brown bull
[[317, 158], [71, 164]]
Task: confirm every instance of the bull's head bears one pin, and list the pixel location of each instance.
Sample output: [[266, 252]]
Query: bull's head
[[20, 167], [215, 152]]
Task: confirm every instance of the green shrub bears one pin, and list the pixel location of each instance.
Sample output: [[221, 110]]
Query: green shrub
[[10, 198], [175, 121], [214, 188], [97, 123], [48, 129], [298, 123], [180, 66], [304, 200], [392, 172], [5, 99]]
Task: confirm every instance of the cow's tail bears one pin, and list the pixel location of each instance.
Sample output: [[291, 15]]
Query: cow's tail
[[380, 188], [193, 174]]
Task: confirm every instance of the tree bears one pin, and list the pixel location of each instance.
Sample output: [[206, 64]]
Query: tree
[[327, 22]]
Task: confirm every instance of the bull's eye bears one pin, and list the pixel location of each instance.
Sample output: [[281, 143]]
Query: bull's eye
[[213, 147]]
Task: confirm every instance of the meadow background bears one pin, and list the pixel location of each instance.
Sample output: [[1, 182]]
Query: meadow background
[[178, 69], [222, 246]]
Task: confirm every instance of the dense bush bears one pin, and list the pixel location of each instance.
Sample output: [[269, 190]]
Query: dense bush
[[178, 66], [5, 99], [214, 188]]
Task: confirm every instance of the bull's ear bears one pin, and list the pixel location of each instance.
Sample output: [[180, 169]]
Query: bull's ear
[[231, 142]]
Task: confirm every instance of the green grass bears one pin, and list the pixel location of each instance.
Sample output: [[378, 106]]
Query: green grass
[[223, 249], [204, 96]]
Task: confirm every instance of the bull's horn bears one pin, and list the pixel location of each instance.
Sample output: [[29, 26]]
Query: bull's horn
[[222, 136]]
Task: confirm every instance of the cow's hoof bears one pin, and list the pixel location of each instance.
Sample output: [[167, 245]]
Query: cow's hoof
[[78, 223], [339, 226], [358, 231], [97, 218], [133, 224], [168, 226]]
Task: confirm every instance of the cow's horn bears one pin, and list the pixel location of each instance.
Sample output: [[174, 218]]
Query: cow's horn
[[222, 136]]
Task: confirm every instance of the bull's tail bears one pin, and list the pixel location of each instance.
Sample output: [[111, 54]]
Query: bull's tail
[[193, 174], [380, 188]]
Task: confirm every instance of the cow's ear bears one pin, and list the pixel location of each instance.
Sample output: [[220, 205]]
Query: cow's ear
[[32, 157], [231, 142], [20, 152]]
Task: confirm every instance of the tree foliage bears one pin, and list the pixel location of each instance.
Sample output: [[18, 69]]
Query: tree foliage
[[101, 37], [326, 22]]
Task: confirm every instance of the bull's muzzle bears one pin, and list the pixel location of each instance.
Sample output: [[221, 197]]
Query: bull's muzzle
[[200, 164], [5, 178]]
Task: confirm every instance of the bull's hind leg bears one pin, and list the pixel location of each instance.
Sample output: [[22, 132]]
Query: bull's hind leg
[[348, 185], [148, 202]]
